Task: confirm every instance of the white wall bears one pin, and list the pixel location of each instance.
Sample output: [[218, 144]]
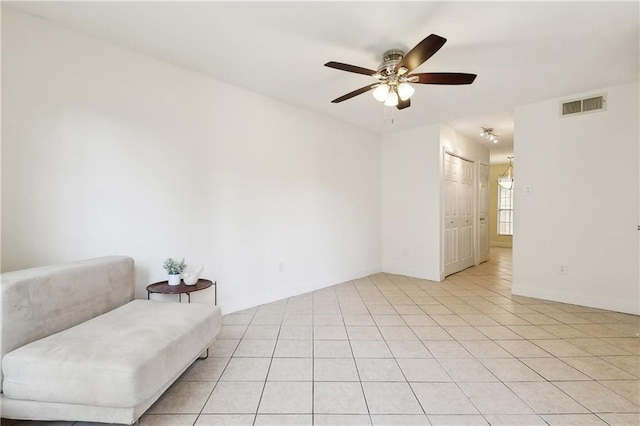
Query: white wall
[[583, 211], [410, 200], [105, 151], [412, 164], [462, 146]]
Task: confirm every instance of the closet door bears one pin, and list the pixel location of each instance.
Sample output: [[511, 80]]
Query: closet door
[[458, 214]]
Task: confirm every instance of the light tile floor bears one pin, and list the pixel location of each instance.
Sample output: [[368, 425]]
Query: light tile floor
[[393, 350]]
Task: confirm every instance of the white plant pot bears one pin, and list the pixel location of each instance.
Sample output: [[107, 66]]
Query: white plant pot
[[191, 275], [174, 279]]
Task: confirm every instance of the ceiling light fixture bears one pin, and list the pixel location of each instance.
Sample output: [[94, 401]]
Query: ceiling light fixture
[[392, 97], [390, 92], [405, 91], [505, 180], [487, 132], [381, 92]]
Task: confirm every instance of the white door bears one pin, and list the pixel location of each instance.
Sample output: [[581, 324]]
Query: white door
[[458, 214], [483, 213]]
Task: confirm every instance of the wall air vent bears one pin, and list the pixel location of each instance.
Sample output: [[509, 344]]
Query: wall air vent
[[581, 106], [572, 107], [591, 104]]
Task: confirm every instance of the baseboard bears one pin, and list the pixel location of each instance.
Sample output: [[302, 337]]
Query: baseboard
[[414, 273], [500, 244], [610, 304], [273, 294]]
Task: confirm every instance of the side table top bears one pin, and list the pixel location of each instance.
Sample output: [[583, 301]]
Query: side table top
[[163, 287]]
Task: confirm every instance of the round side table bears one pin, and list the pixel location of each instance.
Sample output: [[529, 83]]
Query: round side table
[[163, 287]]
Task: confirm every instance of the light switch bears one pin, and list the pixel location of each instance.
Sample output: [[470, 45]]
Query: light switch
[[528, 190]]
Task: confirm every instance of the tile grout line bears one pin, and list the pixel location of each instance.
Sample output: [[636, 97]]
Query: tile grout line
[[224, 369], [446, 372], [266, 378], [394, 355], [364, 396]]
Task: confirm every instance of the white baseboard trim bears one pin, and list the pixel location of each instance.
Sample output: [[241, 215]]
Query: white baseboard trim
[[610, 304], [273, 293], [414, 273], [500, 244]]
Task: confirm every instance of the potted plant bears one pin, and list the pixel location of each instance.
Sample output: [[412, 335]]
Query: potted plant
[[174, 269]]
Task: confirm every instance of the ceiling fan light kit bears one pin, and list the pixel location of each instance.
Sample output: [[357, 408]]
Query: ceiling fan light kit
[[393, 80], [381, 92], [405, 91], [392, 97], [394, 76]]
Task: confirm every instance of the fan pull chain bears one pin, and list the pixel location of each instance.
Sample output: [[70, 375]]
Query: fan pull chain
[[392, 118]]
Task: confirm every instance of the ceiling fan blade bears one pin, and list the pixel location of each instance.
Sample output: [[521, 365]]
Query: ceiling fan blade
[[403, 104], [443, 78], [422, 51], [350, 68], [354, 93]]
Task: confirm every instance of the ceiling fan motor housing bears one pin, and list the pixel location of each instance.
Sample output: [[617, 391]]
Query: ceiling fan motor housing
[[390, 61]]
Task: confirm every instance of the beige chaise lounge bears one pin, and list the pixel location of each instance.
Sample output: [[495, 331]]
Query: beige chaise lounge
[[75, 346]]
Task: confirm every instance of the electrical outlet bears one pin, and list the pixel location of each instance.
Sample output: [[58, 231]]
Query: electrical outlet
[[281, 267], [563, 270]]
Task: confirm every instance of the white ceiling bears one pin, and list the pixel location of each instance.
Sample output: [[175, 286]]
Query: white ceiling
[[522, 51]]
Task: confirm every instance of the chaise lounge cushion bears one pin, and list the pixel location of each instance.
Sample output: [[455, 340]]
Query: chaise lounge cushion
[[93, 365]]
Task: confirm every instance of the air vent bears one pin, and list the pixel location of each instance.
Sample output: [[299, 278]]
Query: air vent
[[572, 107], [581, 106], [591, 104]]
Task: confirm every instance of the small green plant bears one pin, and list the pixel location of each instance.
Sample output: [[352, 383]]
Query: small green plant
[[173, 267]]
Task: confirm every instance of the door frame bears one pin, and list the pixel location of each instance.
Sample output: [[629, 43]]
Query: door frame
[[477, 247]]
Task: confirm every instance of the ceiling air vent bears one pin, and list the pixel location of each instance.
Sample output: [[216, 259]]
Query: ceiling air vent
[[581, 106]]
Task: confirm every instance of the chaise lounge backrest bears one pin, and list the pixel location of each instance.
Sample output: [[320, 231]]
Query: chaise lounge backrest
[[38, 302]]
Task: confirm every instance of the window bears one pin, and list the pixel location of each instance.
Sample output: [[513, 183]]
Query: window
[[505, 211]]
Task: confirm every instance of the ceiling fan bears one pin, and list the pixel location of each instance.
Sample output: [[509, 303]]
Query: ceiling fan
[[394, 76]]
